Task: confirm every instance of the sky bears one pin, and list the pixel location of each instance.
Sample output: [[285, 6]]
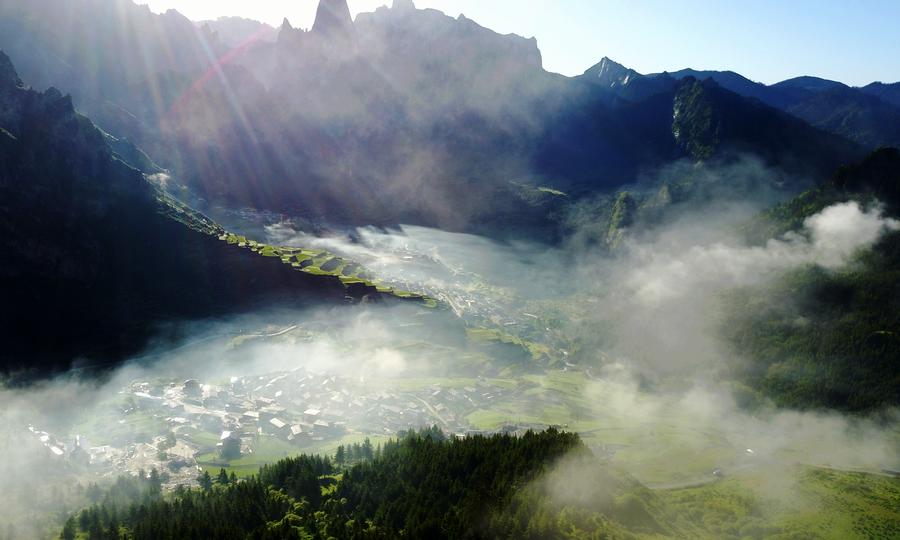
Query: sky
[[766, 40]]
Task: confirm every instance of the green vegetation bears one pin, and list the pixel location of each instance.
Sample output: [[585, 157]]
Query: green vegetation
[[622, 216], [696, 124], [539, 485], [819, 338], [536, 196], [798, 502], [421, 486], [551, 191], [314, 262], [266, 450], [537, 351], [836, 344]]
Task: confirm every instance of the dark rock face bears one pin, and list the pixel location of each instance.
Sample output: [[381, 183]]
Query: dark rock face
[[8, 75], [333, 20]]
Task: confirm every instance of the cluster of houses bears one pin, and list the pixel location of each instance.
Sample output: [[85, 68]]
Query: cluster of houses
[[299, 407], [306, 408]]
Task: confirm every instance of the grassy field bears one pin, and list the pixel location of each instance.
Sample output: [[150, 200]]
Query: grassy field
[[270, 449], [794, 502], [267, 449]]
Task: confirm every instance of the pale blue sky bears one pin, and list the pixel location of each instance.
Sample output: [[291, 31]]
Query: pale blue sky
[[854, 41]]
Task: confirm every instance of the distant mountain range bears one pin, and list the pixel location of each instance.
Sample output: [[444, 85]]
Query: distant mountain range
[[869, 115], [408, 115]]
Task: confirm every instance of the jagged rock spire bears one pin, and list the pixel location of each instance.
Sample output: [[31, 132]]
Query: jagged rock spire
[[333, 18], [8, 75], [403, 5]]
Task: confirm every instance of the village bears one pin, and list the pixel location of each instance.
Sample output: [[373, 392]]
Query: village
[[198, 422]]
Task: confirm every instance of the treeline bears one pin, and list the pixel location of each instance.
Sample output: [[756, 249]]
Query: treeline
[[820, 338], [419, 486]]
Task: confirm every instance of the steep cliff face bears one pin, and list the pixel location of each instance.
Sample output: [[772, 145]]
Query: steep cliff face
[[415, 45], [696, 123]]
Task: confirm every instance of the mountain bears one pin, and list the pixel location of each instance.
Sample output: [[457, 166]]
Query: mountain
[[809, 84], [416, 117], [625, 82], [867, 116], [830, 105], [96, 256], [610, 74], [597, 145], [401, 123], [853, 114], [736, 83], [334, 21], [889, 93]]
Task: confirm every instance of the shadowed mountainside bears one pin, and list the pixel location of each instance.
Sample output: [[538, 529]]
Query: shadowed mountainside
[[95, 255]]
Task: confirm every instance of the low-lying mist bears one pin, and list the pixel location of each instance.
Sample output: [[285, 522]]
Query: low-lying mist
[[639, 368]]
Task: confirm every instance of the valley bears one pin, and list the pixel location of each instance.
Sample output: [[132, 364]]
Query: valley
[[390, 274]]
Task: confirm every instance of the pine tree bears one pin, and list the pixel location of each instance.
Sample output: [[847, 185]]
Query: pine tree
[[205, 481], [155, 483], [69, 529], [84, 520], [94, 493], [223, 477], [340, 457]]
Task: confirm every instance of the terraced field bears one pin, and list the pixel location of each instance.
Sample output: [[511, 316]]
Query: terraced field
[[358, 281]]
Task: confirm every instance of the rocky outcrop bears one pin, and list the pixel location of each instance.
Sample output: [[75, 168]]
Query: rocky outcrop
[[333, 20], [8, 76], [610, 74]]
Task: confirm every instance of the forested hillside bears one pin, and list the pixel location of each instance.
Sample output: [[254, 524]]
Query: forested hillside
[[422, 486], [820, 338]]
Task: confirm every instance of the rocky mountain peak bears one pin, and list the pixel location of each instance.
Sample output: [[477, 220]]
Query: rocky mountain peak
[[611, 74], [9, 78], [333, 19], [403, 5]]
